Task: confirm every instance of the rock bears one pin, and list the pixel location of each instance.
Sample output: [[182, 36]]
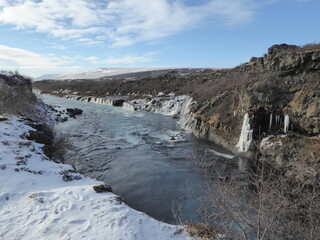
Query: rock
[[72, 115], [102, 188], [118, 103], [2, 119], [74, 111]]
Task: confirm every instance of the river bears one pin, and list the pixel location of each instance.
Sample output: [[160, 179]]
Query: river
[[134, 152]]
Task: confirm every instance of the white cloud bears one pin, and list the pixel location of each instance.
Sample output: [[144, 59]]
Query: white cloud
[[28, 60], [122, 22], [124, 60], [31, 62]]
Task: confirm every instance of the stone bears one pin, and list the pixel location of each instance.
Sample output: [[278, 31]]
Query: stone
[[102, 188], [74, 111]]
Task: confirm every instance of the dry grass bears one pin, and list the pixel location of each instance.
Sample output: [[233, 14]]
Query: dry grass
[[311, 47], [265, 204], [204, 232]]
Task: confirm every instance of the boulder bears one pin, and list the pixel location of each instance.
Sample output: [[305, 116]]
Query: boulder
[[102, 188], [74, 111]]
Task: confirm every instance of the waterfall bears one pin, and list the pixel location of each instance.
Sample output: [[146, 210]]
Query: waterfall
[[286, 123], [186, 116], [270, 122], [245, 136]]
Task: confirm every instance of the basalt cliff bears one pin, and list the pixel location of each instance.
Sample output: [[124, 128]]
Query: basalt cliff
[[267, 108]]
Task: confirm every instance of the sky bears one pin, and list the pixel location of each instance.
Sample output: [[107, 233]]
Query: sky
[[64, 36]]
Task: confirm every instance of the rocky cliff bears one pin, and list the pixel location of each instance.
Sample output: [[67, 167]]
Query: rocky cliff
[[282, 105]]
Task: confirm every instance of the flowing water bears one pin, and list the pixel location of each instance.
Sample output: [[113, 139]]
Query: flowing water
[[134, 153]]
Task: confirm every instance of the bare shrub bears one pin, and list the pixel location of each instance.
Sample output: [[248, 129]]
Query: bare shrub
[[311, 47], [264, 205]]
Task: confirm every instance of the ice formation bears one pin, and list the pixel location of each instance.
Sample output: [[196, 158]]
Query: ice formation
[[245, 136], [286, 123], [270, 122]]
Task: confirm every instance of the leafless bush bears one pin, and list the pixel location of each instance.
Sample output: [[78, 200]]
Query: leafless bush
[[264, 205], [311, 47]]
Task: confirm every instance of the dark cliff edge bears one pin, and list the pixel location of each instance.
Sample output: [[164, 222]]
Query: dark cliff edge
[[268, 107]]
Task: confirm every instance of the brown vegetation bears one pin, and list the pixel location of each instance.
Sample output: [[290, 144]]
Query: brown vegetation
[[265, 205], [202, 85]]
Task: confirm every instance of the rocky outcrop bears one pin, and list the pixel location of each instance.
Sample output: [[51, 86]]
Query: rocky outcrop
[[282, 100], [287, 60]]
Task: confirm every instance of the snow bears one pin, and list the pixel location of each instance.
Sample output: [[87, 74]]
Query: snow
[[35, 202], [224, 155], [245, 136], [286, 123]]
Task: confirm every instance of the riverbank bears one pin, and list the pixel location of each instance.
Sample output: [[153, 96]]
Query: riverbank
[[38, 201]]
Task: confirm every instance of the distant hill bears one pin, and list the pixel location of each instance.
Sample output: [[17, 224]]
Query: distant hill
[[112, 73], [46, 76]]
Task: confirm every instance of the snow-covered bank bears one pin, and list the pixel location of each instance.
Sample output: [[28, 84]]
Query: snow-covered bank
[[36, 202]]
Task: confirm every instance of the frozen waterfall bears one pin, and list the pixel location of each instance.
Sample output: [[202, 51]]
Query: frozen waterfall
[[245, 136], [286, 123], [270, 121]]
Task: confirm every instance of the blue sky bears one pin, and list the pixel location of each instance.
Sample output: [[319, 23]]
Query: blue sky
[[63, 36]]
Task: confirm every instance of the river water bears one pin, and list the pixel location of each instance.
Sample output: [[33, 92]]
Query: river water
[[134, 153]]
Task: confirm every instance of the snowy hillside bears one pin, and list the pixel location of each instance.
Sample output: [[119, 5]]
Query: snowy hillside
[[104, 72], [46, 76], [40, 199]]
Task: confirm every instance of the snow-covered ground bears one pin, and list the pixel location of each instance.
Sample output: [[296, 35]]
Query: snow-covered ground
[[36, 203]]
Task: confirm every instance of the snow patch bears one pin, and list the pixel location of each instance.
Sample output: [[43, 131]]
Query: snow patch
[[224, 155]]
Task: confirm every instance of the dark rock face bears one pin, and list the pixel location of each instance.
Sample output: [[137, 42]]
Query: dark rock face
[[72, 112], [118, 102], [42, 134], [102, 188]]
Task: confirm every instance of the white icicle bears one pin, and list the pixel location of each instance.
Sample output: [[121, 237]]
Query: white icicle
[[270, 122], [286, 123], [245, 136]]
